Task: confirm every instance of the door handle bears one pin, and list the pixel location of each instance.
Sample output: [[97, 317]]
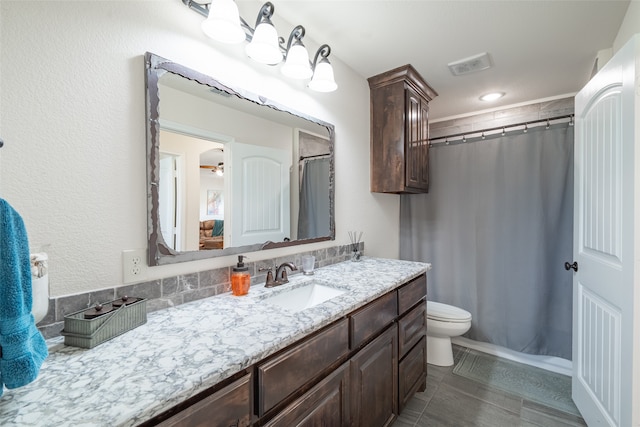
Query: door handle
[[573, 266]]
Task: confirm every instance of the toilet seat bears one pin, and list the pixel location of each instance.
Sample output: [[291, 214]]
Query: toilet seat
[[446, 313]]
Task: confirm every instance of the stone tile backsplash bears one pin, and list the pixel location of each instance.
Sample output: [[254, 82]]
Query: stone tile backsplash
[[176, 290]]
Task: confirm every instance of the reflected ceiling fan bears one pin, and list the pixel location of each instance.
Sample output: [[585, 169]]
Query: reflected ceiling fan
[[217, 169], [210, 157]]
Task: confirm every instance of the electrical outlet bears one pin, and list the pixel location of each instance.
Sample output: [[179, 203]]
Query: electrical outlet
[[134, 265]]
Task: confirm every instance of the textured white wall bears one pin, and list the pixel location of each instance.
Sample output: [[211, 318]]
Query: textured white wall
[[73, 165]]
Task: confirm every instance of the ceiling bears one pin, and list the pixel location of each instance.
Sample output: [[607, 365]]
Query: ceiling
[[539, 49]]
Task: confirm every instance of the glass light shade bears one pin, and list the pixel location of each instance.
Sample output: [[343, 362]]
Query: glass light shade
[[323, 80], [264, 46], [297, 65], [223, 22]]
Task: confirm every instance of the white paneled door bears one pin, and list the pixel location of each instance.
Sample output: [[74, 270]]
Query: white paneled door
[[607, 245], [260, 181]]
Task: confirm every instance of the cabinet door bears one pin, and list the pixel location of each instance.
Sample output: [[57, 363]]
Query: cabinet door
[[417, 141], [412, 373], [326, 404], [228, 407], [374, 382]]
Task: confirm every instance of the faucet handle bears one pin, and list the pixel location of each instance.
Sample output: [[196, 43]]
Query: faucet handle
[[269, 282], [283, 276]]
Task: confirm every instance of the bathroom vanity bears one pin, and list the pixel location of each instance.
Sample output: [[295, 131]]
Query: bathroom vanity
[[354, 359]]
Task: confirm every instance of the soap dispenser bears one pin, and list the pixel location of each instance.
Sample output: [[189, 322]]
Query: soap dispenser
[[240, 278]]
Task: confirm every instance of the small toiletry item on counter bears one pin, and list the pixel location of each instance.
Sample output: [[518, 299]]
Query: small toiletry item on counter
[[240, 278], [125, 300], [98, 310], [308, 264]]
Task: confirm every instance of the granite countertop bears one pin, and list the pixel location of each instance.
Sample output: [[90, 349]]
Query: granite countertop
[[184, 350]]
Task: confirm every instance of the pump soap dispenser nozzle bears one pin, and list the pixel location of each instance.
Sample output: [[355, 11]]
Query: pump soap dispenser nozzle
[[240, 278]]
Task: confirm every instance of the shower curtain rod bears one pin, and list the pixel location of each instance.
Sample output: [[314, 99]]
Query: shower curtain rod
[[314, 156], [481, 133]]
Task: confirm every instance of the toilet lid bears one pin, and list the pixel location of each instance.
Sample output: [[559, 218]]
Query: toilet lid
[[446, 313]]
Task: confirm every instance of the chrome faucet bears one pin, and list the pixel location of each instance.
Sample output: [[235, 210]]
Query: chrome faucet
[[280, 274]]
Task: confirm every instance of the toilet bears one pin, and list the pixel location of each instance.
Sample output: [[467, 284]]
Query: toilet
[[443, 322]]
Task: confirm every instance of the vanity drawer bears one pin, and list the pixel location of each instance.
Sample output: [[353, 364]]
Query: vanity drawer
[[412, 372], [286, 372], [411, 293], [372, 318], [228, 406], [411, 328]]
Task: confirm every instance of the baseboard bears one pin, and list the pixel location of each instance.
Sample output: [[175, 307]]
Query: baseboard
[[550, 363]]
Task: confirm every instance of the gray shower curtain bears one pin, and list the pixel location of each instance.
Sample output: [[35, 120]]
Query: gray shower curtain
[[497, 226], [313, 217]]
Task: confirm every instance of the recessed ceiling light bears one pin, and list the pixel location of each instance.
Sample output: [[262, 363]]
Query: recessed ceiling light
[[492, 96]]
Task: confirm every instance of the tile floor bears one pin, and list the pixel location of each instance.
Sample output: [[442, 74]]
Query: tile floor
[[451, 400]]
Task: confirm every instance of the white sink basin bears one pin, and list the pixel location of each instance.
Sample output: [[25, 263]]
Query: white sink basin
[[305, 296]]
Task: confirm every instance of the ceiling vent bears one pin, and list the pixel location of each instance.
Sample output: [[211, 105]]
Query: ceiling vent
[[470, 65]]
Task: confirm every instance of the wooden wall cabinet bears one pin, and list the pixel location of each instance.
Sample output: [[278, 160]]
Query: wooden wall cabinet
[[400, 131]]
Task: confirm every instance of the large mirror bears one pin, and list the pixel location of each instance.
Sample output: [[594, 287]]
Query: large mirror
[[229, 171]]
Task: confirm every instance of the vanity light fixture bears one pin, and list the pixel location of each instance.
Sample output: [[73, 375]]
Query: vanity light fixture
[[223, 23], [322, 80], [297, 65], [265, 46], [492, 96]]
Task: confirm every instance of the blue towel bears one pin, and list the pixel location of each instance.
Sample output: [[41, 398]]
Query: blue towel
[[22, 346]]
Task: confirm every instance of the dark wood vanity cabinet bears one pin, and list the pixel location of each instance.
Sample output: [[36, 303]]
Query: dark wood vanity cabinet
[[359, 371], [400, 131]]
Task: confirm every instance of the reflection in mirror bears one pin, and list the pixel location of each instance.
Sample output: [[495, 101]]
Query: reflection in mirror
[[229, 171]]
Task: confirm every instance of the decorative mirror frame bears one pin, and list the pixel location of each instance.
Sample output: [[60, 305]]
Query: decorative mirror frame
[[158, 251]]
